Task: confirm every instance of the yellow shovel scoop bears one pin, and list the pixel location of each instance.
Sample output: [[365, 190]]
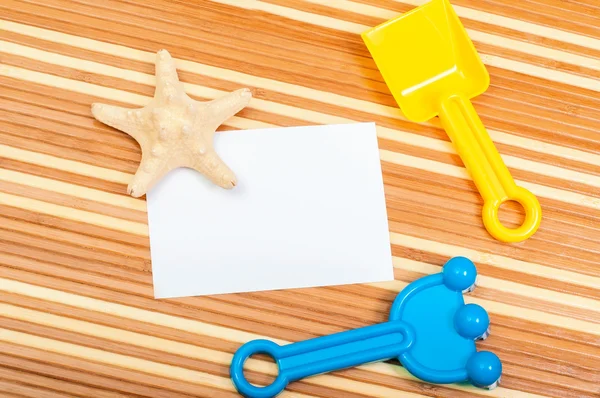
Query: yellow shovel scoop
[[432, 69]]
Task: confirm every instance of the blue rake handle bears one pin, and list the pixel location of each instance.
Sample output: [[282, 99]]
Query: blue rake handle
[[321, 355]]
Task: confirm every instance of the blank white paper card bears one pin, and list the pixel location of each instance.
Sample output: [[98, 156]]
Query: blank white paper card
[[308, 210]]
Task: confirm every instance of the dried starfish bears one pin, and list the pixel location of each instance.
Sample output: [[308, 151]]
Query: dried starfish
[[173, 130]]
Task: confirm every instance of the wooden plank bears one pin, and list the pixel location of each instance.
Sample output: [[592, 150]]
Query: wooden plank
[[77, 314]]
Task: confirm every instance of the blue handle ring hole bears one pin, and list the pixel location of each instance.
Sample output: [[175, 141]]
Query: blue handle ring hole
[[243, 386]]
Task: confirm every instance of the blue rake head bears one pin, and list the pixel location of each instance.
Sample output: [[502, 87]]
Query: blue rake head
[[445, 328]]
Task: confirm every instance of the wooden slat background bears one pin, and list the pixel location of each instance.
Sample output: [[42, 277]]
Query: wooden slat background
[[77, 315]]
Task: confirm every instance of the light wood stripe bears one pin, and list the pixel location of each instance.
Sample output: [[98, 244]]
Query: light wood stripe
[[476, 15], [460, 172], [201, 328], [519, 25], [505, 286], [73, 214], [109, 333], [72, 190], [476, 35], [114, 359], [394, 112], [204, 92], [187, 350], [350, 27], [304, 92], [108, 93], [534, 70], [196, 352], [63, 164], [495, 260], [515, 312], [104, 307], [126, 312]]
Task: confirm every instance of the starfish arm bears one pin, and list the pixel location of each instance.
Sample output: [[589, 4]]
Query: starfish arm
[[168, 86], [150, 171], [130, 121], [221, 109], [212, 167]]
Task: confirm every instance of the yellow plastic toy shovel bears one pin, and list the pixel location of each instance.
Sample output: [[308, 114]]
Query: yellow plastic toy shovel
[[432, 69]]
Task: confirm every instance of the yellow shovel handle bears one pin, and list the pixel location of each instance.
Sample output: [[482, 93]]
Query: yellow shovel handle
[[492, 178]]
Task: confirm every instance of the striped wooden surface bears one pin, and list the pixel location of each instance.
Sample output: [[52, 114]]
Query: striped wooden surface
[[77, 317]]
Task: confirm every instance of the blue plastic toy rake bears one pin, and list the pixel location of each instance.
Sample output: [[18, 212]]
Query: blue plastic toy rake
[[431, 331]]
